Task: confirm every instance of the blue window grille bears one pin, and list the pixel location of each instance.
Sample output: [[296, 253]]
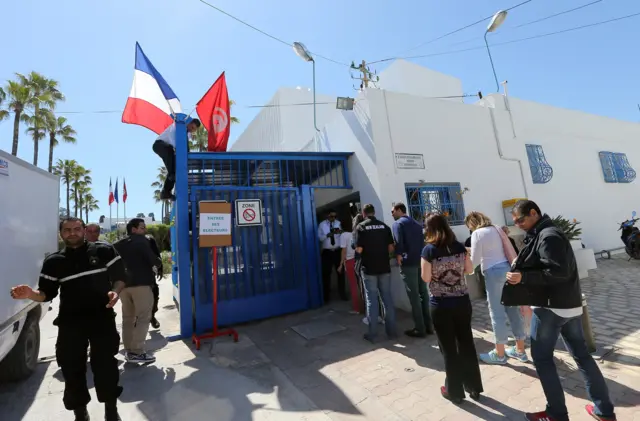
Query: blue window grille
[[541, 171], [616, 168], [445, 199]]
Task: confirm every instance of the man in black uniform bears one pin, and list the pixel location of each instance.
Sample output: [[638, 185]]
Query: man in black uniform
[[156, 290], [89, 277], [374, 242]]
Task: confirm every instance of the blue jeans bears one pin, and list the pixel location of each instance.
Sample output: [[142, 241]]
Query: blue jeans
[[546, 326], [374, 284], [494, 280]]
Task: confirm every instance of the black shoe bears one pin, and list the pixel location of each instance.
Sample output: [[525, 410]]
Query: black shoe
[[81, 414], [414, 333], [111, 412], [473, 395], [430, 331], [445, 394], [155, 323]]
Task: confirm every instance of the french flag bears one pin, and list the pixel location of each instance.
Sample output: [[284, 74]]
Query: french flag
[[151, 101]]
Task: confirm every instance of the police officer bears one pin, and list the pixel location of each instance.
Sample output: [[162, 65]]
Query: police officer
[[374, 242], [89, 277], [156, 290]]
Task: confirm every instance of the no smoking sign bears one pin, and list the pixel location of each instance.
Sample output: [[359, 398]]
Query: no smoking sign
[[248, 212]]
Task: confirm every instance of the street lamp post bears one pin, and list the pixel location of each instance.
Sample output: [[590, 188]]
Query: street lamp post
[[304, 54], [496, 21]]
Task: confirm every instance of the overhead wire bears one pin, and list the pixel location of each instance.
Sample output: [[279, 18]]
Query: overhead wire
[[451, 33], [273, 37], [521, 39]]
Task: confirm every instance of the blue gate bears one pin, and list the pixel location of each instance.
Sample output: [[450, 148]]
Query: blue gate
[[269, 270]]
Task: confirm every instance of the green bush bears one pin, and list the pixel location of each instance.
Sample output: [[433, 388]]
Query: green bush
[[570, 228], [161, 233], [166, 262]]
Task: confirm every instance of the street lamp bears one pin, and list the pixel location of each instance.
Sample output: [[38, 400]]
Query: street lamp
[[496, 21], [304, 54]]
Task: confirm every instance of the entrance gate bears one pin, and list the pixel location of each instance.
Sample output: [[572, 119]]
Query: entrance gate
[[270, 269]]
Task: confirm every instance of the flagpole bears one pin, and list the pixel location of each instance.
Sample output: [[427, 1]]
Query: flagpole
[[110, 221]]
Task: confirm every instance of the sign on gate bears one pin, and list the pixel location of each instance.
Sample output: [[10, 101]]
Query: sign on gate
[[215, 224], [248, 212]]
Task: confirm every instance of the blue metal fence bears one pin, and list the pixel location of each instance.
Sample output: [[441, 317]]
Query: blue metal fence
[[271, 269]]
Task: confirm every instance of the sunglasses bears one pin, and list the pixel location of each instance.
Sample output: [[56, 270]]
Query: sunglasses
[[520, 219]]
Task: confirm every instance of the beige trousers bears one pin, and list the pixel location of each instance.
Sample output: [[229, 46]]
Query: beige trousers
[[137, 304]]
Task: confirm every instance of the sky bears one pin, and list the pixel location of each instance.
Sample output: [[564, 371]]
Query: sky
[[88, 47]]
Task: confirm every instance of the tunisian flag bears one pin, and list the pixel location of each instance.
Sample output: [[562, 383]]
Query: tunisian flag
[[213, 110]]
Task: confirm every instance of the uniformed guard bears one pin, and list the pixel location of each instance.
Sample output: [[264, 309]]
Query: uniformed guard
[[374, 243], [89, 277], [155, 288]]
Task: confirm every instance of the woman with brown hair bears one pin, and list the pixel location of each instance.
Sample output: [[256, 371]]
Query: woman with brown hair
[[492, 250], [444, 263]]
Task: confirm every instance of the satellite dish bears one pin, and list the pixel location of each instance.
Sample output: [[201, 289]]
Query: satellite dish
[[633, 214]]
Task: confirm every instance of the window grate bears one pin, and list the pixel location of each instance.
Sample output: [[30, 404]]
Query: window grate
[[541, 171], [444, 198], [616, 167]]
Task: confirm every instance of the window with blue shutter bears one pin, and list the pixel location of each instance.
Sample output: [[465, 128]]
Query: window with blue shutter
[[541, 171]]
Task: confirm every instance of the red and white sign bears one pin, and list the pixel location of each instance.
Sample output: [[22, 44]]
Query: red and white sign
[[248, 212]]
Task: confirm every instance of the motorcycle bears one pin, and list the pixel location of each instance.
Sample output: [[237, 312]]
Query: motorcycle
[[630, 236]]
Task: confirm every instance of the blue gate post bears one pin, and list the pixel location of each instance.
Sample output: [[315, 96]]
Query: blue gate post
[[312, 247], [181, 222]]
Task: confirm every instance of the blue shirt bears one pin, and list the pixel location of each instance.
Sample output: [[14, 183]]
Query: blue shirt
[[407, 233]]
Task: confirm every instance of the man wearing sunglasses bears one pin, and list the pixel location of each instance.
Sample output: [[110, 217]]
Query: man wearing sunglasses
[[545, 276], [329, 236]]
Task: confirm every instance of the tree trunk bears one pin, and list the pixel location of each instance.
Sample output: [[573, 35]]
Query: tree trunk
[[36, 140], [86, 212], [52, 139], [68, 201], [75, 201], [16, 133]]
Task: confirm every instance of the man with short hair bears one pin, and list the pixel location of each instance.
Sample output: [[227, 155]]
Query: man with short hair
[[409, 242], [374, 243], [329, 236], [545, 276], [137, 297], [165, 148], [92, 233], [89, 277]]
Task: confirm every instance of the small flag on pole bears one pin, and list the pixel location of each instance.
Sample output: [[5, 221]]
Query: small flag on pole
[[124, 190], [115, 192], [111, 198], [213, 110]]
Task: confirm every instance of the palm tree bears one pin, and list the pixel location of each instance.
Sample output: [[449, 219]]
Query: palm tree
[[199, 140], [157, 185], [44, 94], [66, 170], [4, 114], [90, 205], [58, 130], [81, 179], [19, 98]]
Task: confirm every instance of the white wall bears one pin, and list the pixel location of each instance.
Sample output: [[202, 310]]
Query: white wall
[[284, 127], [409, 78], [571, 141]]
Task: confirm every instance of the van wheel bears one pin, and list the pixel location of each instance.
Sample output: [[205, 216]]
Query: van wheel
[[22, 360]]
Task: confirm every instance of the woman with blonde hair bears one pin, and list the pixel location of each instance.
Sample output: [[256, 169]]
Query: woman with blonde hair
[[444, 263], [491, 249]]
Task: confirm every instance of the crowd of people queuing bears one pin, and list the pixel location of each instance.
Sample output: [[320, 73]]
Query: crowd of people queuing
[[540, 282]]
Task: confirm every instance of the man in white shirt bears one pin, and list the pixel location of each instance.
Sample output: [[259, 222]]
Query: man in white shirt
[[329, 232], [165, 148]]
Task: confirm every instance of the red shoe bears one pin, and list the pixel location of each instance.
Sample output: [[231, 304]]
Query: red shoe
[[538, 416], [591, 410]]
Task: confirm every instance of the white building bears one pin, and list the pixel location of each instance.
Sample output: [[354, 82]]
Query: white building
[[475, 155]]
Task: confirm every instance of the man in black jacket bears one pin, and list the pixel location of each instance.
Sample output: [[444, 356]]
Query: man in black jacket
[[137, 297], [545, 276], [155, 288]]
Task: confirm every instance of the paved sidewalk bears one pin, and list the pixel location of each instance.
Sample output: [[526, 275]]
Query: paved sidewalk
[[351, 379]]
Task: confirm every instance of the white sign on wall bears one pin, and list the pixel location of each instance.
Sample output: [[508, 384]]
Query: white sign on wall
[[248, 212], [410, 161], [215, 224]]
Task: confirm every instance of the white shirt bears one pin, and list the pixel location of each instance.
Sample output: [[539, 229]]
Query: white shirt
[[169, 135], [486, 248], [323, 230], [345, 243]]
